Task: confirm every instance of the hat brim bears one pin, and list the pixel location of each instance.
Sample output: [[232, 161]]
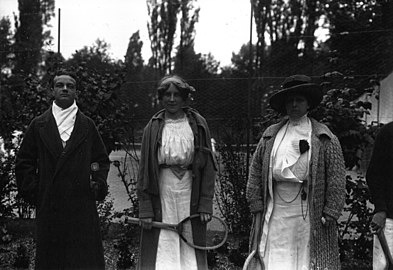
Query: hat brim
[[311, 91]]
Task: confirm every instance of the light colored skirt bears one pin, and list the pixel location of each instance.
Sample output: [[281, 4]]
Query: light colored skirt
[[288, 238], [172, 252], [379, 259]]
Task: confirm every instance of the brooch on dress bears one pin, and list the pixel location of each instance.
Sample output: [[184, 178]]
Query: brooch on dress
[[303, 146]]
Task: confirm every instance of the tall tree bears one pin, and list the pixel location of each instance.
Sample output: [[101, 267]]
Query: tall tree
[[5, 64], [285, 33], [187, 34], [5, 43], [162, 29], [134, 91], [361, 34], [133, 59], [29, 36]]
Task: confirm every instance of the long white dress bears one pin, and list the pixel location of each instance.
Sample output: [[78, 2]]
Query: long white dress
[[286, 229], [176, 152]]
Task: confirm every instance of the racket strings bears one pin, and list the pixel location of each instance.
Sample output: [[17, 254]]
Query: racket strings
[[216, 233], [185, 230]]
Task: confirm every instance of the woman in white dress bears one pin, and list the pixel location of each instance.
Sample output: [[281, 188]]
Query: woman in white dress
[[176, 179], [296, 186]]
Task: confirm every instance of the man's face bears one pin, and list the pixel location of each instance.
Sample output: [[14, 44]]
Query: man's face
[[64, 91]]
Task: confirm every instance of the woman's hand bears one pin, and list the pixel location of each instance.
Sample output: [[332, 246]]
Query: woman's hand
[[205, 217], [145, 223], [378, 222]]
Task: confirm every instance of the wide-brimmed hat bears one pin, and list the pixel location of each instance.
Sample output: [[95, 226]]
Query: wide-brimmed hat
[[296, 84]]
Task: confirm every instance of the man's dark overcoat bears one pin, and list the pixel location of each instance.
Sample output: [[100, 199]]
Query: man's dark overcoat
[[57, 181], [380, 171]]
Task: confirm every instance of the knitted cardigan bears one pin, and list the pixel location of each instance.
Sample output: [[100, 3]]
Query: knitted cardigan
[[326, 191]]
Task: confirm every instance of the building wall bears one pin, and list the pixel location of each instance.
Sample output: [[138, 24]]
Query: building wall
[[382, 108]]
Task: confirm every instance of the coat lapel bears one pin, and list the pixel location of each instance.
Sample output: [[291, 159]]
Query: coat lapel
[[50, 134], [78, 134]]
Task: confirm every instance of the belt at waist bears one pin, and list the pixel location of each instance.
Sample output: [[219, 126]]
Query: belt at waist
[[165, 166]]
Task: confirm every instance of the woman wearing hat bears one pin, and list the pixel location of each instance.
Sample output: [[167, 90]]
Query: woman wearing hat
[[176, 179], [296, 185]]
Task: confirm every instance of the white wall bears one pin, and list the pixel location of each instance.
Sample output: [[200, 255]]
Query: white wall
[[384, 105]]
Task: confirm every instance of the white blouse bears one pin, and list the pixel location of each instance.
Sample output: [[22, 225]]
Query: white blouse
[[286, 151], [177, 145]]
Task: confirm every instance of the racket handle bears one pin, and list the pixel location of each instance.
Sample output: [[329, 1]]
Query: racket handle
[[153, 223], [385, 248]]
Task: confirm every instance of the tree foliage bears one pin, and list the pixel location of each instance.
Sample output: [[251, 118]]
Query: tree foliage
[[361, 34], [359, 31], [186, 56], [162, 29], [162, 32], [5, 44], [285, 31], [99, 82], [133, 60], [29, 36]]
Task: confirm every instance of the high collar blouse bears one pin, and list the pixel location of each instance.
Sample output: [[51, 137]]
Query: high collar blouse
[[286, 151], [177, 145]]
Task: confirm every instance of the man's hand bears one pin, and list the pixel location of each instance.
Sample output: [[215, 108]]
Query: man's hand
[[94, 187], [328, 220], [205, 217], [378, 222]]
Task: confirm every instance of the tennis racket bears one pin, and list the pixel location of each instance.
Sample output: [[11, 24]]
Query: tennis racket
[[214, 236], [386, 250], [254, 261]]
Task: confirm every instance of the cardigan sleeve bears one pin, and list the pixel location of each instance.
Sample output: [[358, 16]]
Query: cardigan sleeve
[[335, 178], [377, 175], [254, 183]]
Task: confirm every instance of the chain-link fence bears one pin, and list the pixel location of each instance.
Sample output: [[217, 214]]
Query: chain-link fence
[[227, 104]]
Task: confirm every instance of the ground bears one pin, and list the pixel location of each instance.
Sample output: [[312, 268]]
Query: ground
[[21, 247]]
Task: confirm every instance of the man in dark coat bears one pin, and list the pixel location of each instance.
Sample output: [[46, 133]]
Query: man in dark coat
[[380, 181], [61, 168]]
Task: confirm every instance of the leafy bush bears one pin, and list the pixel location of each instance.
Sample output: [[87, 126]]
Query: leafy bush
[[5, 236], [105, 212], [238, 255], [231, 189], [22, 259], [127, 247], [356, 240], [127, 169]]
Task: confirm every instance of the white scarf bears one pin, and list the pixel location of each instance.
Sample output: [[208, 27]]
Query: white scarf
[[65, 120]]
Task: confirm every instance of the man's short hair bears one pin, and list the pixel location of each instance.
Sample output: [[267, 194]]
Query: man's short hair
[[61, 72]]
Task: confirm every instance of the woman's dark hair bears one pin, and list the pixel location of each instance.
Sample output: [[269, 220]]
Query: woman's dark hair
[[184, 88]]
